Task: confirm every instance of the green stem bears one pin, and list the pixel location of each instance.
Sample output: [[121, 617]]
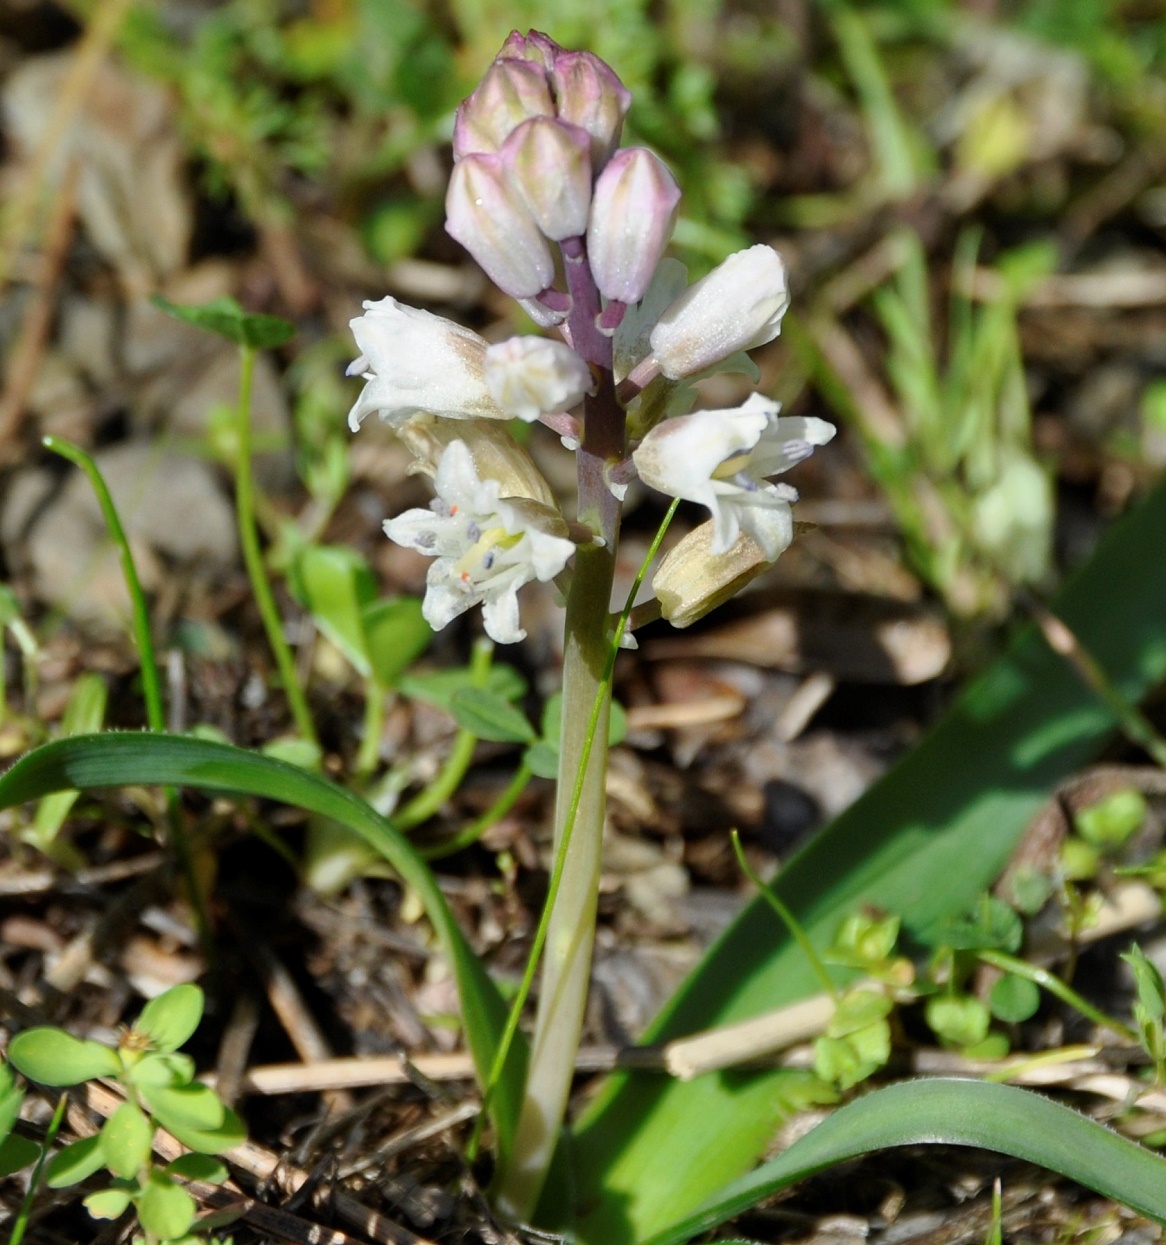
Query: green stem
[[253, 555], [1054, 985], [426, 803], [374, 723], [567, 924], [151, 684], [786, 917], [23, 1215], [474, 831]]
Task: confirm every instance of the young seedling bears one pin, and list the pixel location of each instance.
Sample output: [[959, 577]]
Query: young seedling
[[161, 1091]]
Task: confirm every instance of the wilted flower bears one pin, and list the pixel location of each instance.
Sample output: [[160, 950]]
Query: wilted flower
[[693, 580], [415, 361], [738, 306], [723, 460], [484, 547]]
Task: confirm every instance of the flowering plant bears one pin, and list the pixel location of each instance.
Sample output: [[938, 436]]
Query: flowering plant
[[575, 228]]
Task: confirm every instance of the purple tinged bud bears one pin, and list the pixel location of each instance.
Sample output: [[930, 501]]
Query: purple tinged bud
[[633, 210], [509, 93], [589, 95], [486, 214], [533, 46], [550, 163]]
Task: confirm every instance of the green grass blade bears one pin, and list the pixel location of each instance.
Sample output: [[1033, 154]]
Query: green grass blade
[[85, 762], [950, 1112], [922, 842]]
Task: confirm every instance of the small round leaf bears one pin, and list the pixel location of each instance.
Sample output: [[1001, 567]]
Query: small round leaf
[[54, 1057], [1014, 998], [170, 1019], [76, 1162], [165, 1209], [199, 1167], [108, 1204], [127, 1141]]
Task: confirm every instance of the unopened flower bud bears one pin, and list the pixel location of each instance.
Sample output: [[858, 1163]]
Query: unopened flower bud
[[486, 214], [496, 454], [589, 95], [738, 306], [632, 213], [533, 376], [550, 163], [509, 93], [533, 46], [692, 580]]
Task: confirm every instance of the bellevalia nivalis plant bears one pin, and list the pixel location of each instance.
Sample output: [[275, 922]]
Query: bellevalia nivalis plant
[[575, 228]]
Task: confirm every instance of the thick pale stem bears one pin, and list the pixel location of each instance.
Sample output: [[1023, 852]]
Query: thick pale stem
[[581, 797], [567, 960]]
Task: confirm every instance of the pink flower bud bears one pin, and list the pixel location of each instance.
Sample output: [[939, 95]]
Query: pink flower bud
[[533, 46], [550, 163], [509, 93], [633, 210], [589, 95], [486, 214]]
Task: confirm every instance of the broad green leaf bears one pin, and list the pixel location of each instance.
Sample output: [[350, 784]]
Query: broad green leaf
[[199, 1167], [225, 317], [488, 716], [396, 634], [108, 1203], [54, 1057], [126, 1141], [335, 585], [17, 1153], [113, 760], [924, 842], [165, 1208], [76, 1162], [171, 1019], [84, 714], [439, 687], [968, 1113]]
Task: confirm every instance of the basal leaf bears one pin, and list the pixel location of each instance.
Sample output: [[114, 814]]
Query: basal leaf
[[969, 1113], [924, 842], [112, 760]]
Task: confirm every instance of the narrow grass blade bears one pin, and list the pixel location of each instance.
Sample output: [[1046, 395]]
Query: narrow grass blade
[[922, 843], [85, 762], [950, 1112]]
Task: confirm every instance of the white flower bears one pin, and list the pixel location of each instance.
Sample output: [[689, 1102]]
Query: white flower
[[738, 306], [532, 376], [484, 547], [723, 460], [415, 361]]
